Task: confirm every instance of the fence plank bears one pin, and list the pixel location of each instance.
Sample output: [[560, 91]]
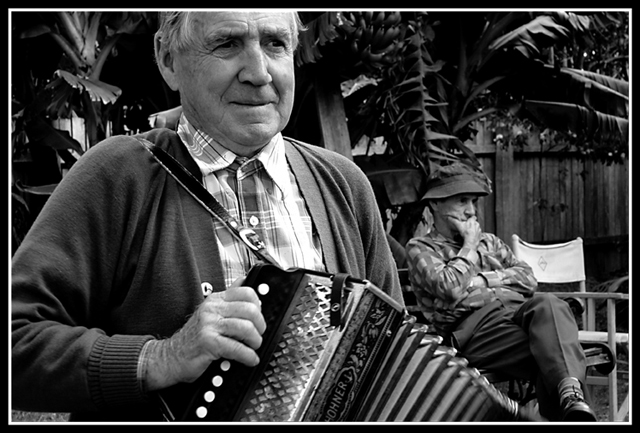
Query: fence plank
[[504, 192], [487, 205]]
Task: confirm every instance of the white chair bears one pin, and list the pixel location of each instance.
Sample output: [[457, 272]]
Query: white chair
[[564, 263]]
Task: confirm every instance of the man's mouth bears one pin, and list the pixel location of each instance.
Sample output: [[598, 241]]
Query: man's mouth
[[254, 102]]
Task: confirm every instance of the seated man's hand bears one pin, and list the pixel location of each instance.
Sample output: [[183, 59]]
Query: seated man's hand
[[469, 229]]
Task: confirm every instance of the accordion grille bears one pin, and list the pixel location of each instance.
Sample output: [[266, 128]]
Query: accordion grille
[[295, 358]]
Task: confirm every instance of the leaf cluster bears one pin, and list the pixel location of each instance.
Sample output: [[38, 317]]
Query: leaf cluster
[[438, 73]]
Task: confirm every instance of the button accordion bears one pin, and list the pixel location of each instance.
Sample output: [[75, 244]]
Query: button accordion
[[338, 349]]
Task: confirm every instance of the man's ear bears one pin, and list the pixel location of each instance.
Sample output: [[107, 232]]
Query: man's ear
[[165, 61]]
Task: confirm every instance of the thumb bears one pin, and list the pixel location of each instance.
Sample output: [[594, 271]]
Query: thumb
[[238, 282]]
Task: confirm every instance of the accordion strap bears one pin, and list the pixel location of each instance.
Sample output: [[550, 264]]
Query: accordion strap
[[209, 202]]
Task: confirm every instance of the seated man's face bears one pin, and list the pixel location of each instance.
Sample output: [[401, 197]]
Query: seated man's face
[[460, 207]]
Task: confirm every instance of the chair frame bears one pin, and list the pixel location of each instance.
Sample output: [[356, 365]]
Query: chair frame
[[588, 333]]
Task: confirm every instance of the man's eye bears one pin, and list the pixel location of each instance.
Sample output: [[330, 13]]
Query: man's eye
[[277, 44], [226, 44]]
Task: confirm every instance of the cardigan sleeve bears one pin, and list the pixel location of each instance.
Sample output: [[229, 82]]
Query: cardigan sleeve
[[62, 274]]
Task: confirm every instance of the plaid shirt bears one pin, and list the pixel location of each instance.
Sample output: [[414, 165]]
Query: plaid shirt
[[441, 270], [261, 193]]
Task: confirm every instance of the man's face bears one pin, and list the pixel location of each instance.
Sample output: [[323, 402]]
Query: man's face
[[237, 83], [461, 207]]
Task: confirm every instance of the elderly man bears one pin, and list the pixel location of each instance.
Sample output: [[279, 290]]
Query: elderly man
[[126, 286], [479, 297]]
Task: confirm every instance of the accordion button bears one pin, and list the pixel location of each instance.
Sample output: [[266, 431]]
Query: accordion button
[[263, 289], [207, 289], [209, 396], [216, 381], [225, 365], [201, 412]]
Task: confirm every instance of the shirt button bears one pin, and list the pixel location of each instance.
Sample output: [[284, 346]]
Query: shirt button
[[254, 221]]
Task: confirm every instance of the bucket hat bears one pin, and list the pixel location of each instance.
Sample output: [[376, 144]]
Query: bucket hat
[[456, 178]]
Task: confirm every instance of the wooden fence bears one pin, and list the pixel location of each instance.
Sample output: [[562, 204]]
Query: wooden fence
[[548, 196]]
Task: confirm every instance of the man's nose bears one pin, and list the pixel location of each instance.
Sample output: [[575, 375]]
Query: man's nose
[[255, 68], [470, 210]]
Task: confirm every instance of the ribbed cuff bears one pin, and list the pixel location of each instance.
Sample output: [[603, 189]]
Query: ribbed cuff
[[113, 370]]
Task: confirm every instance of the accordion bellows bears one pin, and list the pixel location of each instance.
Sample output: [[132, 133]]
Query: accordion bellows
[[336, 354]]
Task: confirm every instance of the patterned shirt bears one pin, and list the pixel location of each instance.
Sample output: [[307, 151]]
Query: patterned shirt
[[260, 193], [441, 270]]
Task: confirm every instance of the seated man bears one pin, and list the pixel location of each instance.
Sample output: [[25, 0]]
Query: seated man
[[479, 297]]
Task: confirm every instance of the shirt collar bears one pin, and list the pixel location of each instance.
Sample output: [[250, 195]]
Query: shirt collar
[[211, 156]]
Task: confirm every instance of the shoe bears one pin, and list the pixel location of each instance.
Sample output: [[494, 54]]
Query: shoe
[[573, 404]]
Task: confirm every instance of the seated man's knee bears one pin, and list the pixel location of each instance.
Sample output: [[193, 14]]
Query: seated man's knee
[[542, 297], [550, 301]]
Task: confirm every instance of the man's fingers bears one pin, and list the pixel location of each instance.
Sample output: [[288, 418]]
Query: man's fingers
[[239, 293], [233, 350], [238, 282], [236, 303], [241, 330], [230, 314]]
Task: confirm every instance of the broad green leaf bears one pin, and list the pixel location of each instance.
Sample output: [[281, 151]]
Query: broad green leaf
[[592, 94], [433, 135], [37, 30], [39, 190], [579, 120], [98, 91], [38, 130], [541, 32], [614, 84]]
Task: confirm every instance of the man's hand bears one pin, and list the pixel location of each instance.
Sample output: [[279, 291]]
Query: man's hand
[[226, 325], [469, 229]]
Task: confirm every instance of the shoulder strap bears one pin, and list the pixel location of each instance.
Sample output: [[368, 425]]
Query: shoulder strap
[[209, 202]]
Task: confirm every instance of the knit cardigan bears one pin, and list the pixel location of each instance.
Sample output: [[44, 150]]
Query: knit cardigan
[[117, 257]]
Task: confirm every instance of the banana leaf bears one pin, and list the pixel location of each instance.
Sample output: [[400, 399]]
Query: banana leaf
[[529, 39], [40, 131], [98, 91], [591, 124], [597, 95], [616, 85]]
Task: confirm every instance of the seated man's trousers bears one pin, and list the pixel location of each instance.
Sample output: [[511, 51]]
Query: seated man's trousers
[[535, 340]]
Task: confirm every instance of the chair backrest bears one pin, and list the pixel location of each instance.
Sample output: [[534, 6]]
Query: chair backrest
[[555, 263]]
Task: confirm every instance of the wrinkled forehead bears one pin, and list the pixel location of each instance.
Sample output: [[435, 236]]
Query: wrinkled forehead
[[464, 197], [245, 22]]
